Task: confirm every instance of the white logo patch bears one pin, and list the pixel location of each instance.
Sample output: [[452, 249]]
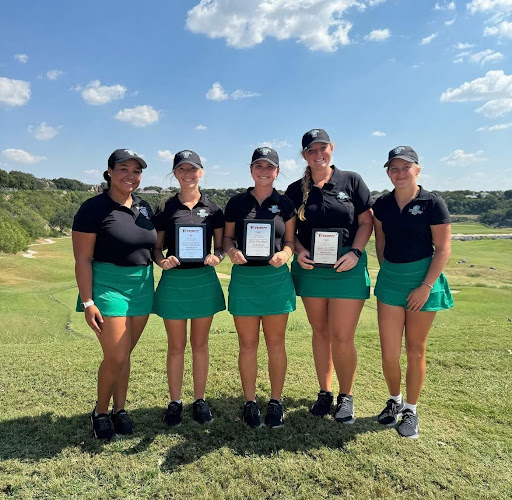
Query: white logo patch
[[398, 150], [342, 196], [185, 154], [265, 151], [144, 212], [416, 210], [202, 213], [314, 133], [274, 209], [130, 152]]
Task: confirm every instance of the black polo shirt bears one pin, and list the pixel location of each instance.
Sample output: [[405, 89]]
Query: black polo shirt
[[337, 204], [174, 212], [245, 206], [124, 236], [407, 232]]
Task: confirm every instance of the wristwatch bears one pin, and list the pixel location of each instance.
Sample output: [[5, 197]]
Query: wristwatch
[[85, 305], [357, 252]]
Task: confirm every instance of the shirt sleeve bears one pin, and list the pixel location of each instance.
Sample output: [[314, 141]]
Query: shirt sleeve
[[160, 219], [439, 213], [294, 194], [361, 196], [376, 208], [288, 208], [230, 211], [86, 219], [218, 218]]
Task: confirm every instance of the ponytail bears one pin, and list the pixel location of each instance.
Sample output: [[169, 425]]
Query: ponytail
[[107, 177], [306, 186]]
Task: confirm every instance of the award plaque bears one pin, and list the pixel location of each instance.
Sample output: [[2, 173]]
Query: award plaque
[[191, 242], [258, 239], [326, 246]]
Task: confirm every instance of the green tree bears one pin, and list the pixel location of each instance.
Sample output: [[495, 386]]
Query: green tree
[[13, 237]]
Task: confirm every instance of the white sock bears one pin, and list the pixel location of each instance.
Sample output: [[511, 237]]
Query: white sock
[[178, 401], [397, 399], [198, 399], [410, 407], [96, 412]]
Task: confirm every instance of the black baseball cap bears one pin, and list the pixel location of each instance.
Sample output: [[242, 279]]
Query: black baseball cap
[[404, 153], [315, 135], [120, 155], [267, 154], [186, 156]]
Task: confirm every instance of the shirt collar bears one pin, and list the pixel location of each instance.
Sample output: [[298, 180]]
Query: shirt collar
[[421, 196], [335, 178], [175, 200], [274, 196]]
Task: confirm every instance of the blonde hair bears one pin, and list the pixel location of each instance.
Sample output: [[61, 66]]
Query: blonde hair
[[306, 186]]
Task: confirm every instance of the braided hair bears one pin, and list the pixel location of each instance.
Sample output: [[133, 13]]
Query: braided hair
[[306, 186]]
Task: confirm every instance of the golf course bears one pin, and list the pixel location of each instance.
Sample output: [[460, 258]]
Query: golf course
[[49, 359]]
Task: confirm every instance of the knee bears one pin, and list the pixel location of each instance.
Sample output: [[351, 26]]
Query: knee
[[344, 341], [320, 331], [176, 348], [415, 352], [199, 346], [116, 362], [276, 345], [248, 346]]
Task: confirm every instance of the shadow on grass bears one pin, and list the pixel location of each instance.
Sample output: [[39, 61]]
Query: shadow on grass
[[47, 435]]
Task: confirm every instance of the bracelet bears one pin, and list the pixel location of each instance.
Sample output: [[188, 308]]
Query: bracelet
[[426, 284]]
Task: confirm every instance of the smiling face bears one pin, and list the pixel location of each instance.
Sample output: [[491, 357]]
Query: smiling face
[[264, 173], [125, 176], [319, 155], [403, 173], [188, 175]]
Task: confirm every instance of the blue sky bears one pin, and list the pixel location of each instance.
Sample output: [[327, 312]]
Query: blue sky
[[78, 80]]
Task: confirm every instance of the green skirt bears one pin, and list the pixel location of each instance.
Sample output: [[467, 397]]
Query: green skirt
[[188, 293], [121, 290], [396, 281], [260, 291], [325, 282]]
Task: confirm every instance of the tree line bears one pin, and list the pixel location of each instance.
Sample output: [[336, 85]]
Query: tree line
[[32, 208]]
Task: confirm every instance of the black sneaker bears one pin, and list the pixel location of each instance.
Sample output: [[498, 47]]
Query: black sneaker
[[389, 415], [409, 426], [323, 404], [344, 409], [102, 427], [274, 416], [201, 412], [173, 414], [123, 424], [252, 414]]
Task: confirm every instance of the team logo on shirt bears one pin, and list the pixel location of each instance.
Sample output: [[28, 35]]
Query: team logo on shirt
[[185, 154], [274, 209], [342, 196], [144, 212], [202, 213], [314, 133], [416, 210]]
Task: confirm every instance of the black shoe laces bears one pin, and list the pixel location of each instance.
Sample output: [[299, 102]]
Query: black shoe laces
[[174, 409], [103, 423], [392, 406], [252, 410], [274, 409], [408, 418], [202, 407]]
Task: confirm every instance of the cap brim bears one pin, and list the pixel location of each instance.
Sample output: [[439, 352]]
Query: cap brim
[[186, 161], [316, 140], [139, 160], [402, 157], [267, 160]]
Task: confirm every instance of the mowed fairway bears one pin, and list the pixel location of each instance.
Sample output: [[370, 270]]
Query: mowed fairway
[[48, 363]]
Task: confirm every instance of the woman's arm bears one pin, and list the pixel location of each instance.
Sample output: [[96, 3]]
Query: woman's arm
[[380, 239], [218, 253], [280, 258], [236, 256], [158, 255], [83, 250]]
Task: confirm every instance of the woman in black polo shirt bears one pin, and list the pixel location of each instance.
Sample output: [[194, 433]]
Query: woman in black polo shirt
[[261, 291], [188, 289], [328, 198], [412, 239], [113, 238]]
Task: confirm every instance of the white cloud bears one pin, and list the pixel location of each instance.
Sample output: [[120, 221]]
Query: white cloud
[[43, 132], [93, 173], [140, 116], [378, 35], [14, 92], [288, 165], [53, 74], [458, 60], [97, 94], [378, 133], [450, 22], [21, 156], [165, 155], [201, 127], [318, 24], [464, 46], [274, 144], [444, 6], [495, 88], [428, 39], [486, 56], [22, 58], [489, 6], [458, 158], [500, 126], [243, 94], [502, 30], [216, 93]]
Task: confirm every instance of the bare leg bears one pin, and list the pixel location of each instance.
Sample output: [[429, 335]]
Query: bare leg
[[199, 332], [316, 309], [343, 315], [137, 325], [248, 328], [391, 329], [417, 326], [176, 343], [274, 328]]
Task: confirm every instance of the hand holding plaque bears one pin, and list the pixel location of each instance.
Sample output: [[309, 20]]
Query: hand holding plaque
[[326, 246], [258, 239], [191, 242]]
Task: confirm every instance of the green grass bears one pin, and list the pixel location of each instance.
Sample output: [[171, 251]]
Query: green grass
[[49, 360], [476, 228]]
